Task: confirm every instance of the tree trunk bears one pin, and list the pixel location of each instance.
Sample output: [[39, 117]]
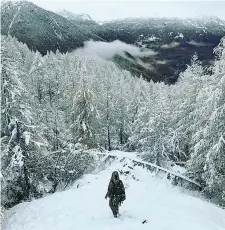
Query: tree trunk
[[108, 126], [27, 183]]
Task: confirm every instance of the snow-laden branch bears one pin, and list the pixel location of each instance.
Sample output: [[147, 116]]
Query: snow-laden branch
[[133, 158]]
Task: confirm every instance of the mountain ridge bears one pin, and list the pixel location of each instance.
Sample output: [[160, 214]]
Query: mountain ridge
[[174, 40]]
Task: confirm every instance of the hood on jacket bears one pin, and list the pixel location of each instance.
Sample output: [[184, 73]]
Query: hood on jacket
[[115, 177]]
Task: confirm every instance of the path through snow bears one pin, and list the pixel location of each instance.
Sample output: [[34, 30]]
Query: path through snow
[[83, 207]]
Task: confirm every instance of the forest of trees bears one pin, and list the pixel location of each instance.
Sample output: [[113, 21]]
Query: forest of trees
[[55, 107]]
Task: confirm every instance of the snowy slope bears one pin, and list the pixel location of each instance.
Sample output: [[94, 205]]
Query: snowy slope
[[148, 198], [71, 16]]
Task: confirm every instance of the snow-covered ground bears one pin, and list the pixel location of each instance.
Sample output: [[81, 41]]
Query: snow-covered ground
[[149, 198]]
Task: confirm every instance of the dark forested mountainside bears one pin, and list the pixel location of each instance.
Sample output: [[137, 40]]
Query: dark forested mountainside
[[173, 40], [40, 29], [44, 30]]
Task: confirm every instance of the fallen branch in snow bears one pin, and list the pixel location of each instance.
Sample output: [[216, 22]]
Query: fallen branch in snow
[[169, 172]]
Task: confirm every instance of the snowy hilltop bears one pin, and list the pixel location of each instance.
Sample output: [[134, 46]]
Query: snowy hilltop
[[152, 203], [71, 16]]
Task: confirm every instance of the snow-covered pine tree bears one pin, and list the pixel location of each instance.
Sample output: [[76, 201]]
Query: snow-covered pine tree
[[184, 104], [210, 138], [208, 133], [102, 83], [159, 124], [140, 111], [16, 131], [84, 114], [121, 94]]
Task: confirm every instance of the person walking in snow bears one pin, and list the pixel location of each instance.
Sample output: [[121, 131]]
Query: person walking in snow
[[116, 193]]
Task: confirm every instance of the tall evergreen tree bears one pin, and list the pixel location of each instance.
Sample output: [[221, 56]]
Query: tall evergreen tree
[[84, 114]]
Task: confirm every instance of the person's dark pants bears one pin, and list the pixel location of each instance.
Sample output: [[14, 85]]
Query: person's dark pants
[[114, 205]]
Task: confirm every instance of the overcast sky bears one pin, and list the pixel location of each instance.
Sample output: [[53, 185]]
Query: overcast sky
[[104, 10]]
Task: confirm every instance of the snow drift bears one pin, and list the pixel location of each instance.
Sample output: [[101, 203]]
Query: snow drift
[[149, 198]]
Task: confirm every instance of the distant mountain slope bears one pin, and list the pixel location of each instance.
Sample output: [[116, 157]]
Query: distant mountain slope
[[40, 29], [175, 40], [71, 16], [167, 30], [103, 31]]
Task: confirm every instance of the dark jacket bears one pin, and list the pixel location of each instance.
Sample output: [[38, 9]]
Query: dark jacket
[[116, 188]]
